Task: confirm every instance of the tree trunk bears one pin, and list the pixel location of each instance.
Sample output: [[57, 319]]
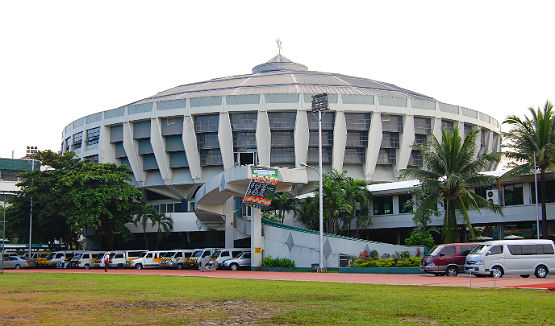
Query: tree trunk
[[543, 199], [146, 242], [450, 232]]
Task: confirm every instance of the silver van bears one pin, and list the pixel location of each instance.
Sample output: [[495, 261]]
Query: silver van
[[87, 259], [219, 256], [150, 259], [202, 257], [523, 257], [177, 258]]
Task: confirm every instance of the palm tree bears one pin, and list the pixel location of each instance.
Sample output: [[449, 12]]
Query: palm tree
[[529, 139], [144, 217], [164, 223], [450, 170], [281, 204]]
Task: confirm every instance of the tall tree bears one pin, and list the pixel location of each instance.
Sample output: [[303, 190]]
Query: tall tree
[[164, 225], [49, 222], [70, 196], [450, 171], [144, 217], [281, 204], [533, 138], [345, 202]]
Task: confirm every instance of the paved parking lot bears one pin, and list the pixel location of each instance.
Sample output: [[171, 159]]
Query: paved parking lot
[[507, 281]]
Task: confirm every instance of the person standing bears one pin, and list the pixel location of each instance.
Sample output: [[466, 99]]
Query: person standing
[[106, 262]]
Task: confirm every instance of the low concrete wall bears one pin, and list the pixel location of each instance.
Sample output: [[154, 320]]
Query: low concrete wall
[[303, 246], [381, 270]]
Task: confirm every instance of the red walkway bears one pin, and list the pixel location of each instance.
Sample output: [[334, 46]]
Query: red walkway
[[392, 279]]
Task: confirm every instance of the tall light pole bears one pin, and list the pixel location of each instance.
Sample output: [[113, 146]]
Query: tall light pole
[[320, 104], [31, 210], [4, 231], [536, 191]]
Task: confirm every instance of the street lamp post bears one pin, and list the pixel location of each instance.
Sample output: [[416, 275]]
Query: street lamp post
[[31, 210], [4, 230], [320, 105], [536, 191]]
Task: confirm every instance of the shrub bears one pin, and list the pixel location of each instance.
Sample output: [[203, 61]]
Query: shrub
[[277, 262]]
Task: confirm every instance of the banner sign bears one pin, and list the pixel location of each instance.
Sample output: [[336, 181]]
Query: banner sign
[[261, 188]]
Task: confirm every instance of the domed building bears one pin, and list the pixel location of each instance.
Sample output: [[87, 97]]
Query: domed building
[[177, 139]]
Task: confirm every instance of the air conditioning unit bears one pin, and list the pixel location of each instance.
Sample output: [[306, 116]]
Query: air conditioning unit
[[492, 195]]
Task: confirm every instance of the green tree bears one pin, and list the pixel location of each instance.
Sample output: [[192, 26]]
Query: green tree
[[164, 225], [422, 233], [70, 196], [532, 138], [49, 222], [100, 197], [144, 217], [345, 202], [281, 204], [450, 170]]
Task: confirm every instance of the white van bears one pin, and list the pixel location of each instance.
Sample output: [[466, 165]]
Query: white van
[[178, 258], [119, 258], [219, 256], [62, 259], [523, 257], [87, 259], [202, 257], [150, 259]]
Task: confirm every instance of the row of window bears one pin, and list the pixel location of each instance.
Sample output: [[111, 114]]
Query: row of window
[[93, 136]]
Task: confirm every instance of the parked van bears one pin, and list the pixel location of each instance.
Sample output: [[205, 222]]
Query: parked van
[[87, 259], [62, 259], [524, 257], [119, 258], [150, 259], [446, 259], [178, 258], [194, 257], [202, 258], [219, 256]]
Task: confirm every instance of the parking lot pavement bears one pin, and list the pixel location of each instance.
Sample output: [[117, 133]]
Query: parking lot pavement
[[509, 281]]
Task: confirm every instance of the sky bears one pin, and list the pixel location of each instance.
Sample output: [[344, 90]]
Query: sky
[[63, 60]]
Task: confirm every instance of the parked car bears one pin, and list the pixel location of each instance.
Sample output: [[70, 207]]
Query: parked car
[[446, 259], [524, 257], [178, 258], [87, 259], [242, 261], [119, 258], [150, 259], [17, 262], [202, 258], [219, 256]]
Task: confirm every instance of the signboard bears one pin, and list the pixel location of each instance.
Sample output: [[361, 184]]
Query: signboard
[[261, 188]]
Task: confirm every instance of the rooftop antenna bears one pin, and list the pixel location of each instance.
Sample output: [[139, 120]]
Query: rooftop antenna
[[279, 43]]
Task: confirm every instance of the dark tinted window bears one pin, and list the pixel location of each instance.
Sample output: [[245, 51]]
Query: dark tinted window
[[179, 254], [547, 249], [449, 251], [496, 250], [225, 253], [465, 250], [120, 255], [188, 254]]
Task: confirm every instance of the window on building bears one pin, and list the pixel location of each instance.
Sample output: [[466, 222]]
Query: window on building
[[420, 139], [549, 190], [392, 123], [383, 205], [416, 159], [513, 194], [422, 126], [387, 156], [77, 140], [93, 135], [447, 125], [405, 203]]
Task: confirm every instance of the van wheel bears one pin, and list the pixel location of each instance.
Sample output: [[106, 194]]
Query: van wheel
[[87, 266], [139, 266], [451, 271], [17, 266], [234, 267], [180, 266], [525, 275], [497, 272], [541, 271]]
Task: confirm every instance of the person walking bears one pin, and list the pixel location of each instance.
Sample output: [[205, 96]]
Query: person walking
[[106, 262]]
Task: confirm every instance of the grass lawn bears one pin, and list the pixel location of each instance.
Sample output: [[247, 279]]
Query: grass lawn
[[99, 299]]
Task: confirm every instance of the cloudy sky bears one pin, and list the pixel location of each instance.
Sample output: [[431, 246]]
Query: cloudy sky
[[62, 60]]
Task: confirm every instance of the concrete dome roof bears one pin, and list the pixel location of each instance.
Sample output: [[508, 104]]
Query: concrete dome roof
[[281, 75]]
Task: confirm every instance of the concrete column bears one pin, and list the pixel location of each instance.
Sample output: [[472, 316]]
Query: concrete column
[[301, 137], [257, 242], [189, 139], [405, 143], [263, 138], [374, 144], [159, 149], [229, 228], [131, 151], [225, 136], [339, 140]]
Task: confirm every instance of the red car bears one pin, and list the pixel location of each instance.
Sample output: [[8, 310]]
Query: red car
[[446, 259]]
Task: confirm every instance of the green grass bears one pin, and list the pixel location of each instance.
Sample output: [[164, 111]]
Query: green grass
[[99, 299]]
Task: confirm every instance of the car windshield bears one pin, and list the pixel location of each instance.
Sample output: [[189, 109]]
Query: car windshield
[[52, 255], [435, 250], [216, 254], [198, 253], [143, 254], [168, 254], [78, 256], [479, 249]]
